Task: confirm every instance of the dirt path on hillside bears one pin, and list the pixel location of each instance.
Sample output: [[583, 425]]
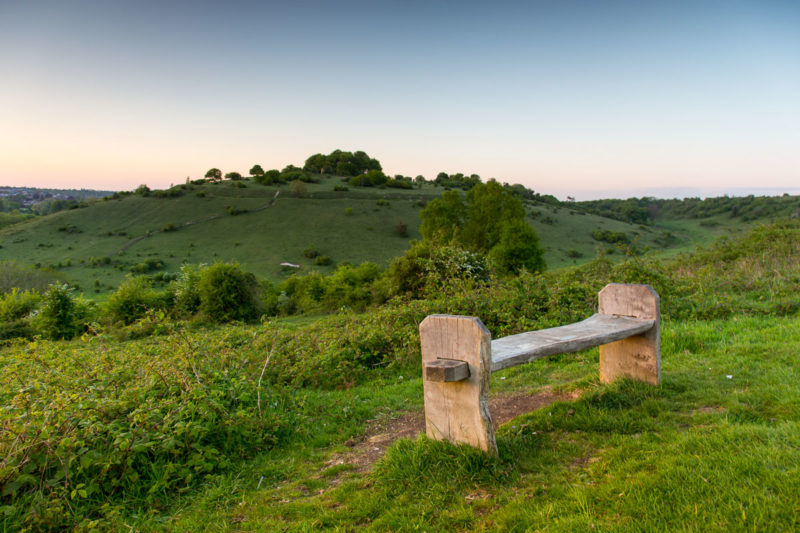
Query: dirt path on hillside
[[192, 223], [381, 434]]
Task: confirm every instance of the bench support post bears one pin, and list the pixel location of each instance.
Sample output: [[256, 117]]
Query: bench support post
[[458, 411], [637, 357]]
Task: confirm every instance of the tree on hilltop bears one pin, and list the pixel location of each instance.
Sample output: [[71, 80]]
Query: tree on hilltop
[[214, 174], [256, 170]]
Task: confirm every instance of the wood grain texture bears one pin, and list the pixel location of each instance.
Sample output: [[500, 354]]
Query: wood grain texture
[[595, 330], [445, 370], [459, 411], [639, 356]]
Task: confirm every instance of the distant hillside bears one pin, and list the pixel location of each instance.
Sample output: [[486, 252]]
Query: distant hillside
[[98, 242]]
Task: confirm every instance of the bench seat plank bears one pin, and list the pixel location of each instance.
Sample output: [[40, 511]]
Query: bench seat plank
[[595, 330]]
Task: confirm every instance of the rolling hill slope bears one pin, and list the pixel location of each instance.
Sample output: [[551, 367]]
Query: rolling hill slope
[[96, 246]]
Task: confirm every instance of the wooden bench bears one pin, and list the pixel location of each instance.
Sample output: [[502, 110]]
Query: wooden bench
[[458, 356]]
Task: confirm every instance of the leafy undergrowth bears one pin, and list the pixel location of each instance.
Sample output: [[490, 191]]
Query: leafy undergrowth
[[192, 428], [715, 447]]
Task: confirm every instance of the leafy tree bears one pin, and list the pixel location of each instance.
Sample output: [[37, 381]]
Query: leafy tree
[[256, 171], [341, 163], [518, 248], [491, 217], [373, 178], [442, 217], [489, 209], [233, 176], [317, 163], [269, 177], [214, 174]]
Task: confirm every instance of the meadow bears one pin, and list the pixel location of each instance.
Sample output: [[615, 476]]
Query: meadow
[[293, 423]]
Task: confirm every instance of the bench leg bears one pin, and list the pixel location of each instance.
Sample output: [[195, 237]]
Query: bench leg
[[637, 357], [458, 411]]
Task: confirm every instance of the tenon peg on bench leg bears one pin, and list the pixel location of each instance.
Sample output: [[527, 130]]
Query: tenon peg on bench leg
[[457, 411], [637, 357]]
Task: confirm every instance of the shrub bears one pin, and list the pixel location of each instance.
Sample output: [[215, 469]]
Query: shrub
[[322, 260], [611, 237], [61, 315], [184, 292], [426, 269], [227, 293], [132, 300], [18, 304], [150, 264], [518, 248], [298, 189], [401, 229], [310, 252]]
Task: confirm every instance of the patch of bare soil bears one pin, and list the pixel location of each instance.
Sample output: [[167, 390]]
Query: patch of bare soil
[[382, 433]]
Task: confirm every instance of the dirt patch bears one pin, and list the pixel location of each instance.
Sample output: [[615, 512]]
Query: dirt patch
[[709, 409], [382, 433]]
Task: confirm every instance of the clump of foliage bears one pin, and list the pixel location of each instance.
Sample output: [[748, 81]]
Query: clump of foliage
[[153, 422], [269, 177], [611, 237], [492, 217], [228, 294], [372, 178], [61, 315], [132, 300], [151, 264], [341, 163]]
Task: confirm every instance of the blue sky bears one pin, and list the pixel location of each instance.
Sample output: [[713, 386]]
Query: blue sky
[[588, 99]]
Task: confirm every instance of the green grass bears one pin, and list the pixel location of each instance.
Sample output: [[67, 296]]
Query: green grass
[[347, 226], [699, 452]]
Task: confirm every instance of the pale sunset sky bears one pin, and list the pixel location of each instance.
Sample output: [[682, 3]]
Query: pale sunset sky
[[582, 98]]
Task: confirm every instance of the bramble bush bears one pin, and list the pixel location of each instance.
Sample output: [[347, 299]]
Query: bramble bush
[[61, 315], [97, 427], [133, 299], [228, 294]]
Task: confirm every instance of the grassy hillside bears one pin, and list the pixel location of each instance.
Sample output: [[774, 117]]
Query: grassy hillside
[[96, 246], [282, 425]]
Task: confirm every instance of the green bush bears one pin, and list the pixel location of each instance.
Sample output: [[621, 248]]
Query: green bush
[[184, 291], [150, 264], [518, 248], [61, 315], [426, 269], [228, 294], [132, 300], [18, 304]]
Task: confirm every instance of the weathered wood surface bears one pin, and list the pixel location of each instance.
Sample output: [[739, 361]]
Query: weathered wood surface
[[446, 370], [597, 329], [637, 357], [458, 411]]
